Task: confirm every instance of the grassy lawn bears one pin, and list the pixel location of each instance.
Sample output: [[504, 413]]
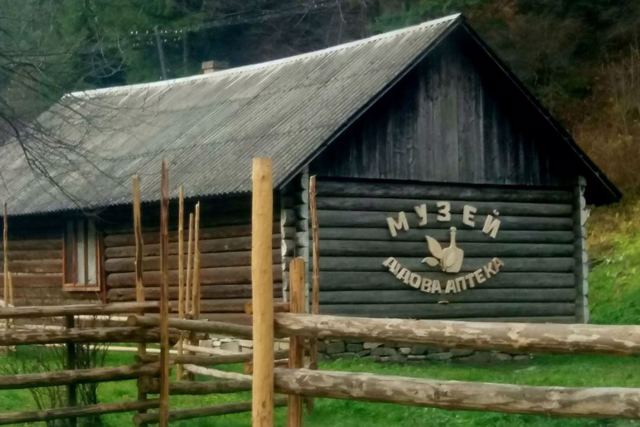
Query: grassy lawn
[[542, 370], [614, 299]]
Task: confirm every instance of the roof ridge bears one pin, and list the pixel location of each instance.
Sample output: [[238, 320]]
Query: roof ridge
[[250, 67]]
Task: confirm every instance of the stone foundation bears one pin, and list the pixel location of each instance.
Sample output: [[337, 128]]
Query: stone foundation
[[335, 349]]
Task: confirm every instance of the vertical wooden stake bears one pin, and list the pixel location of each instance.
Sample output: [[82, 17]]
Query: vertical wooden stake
[[181, 296], [164, 298], [181, 253], [5, 254], [196, 264], [262, 293], [72, 389], [137, 232], [315, 276], [296, 344], [188, 291]]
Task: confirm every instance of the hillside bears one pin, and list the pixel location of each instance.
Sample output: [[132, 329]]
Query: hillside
[[614, 244]]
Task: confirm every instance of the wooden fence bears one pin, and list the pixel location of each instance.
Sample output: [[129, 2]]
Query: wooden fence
[[70, 377], [597, 402], [149, 322]]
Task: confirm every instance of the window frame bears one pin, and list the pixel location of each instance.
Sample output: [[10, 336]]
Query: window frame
[[70, 282]]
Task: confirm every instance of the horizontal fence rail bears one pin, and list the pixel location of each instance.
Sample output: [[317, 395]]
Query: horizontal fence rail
[[533, 337], [79, 335], [74, 376], [77, 310], [599, 402], [76, 411], [208, 326]]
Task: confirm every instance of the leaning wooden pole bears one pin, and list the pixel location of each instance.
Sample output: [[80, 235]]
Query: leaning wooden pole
[[181, 294], [262, 293], [164, 298], [296, 344]]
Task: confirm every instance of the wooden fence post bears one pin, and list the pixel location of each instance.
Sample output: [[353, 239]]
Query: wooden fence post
[[262, 293], [164, 298], [296, 344], [72, 388]]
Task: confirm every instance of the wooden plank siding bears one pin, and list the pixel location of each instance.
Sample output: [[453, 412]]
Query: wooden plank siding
[[225, 246], [536, 241], [450, 120]]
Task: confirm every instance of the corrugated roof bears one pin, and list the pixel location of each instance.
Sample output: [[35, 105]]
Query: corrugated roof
[[209, 126]]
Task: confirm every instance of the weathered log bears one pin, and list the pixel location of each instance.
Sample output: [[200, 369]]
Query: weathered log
[[378, 220], [278, 307], [352, 280], [440, 192], [36, 280], [76, 309], [211, 360], [36, 266], [552, 338], [216, 373], [76, 411], [230, 244], [407, 205], [605, 402], [208, 276], [74, 376], [200, 387], [187, 414], [452, 310], [405, 295], [494, 249], [207, 260], [89, 335], [207, 292], [344, 263], [463, 235], [53, 243], [194, 325], [206, 233]]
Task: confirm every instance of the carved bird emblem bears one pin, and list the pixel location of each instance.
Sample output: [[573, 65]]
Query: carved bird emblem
[[449, 259]]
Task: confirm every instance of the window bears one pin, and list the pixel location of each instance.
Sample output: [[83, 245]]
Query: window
[[81, 252]]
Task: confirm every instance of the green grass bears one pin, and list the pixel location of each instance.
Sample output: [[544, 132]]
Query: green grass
[[542, 370], [614, 299]]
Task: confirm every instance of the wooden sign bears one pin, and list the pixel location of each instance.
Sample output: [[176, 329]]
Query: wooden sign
[[448, 259]]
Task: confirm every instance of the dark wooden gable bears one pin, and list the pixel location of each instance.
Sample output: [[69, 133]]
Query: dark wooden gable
[[453, 118]]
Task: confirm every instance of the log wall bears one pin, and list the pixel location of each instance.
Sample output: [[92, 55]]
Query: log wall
[[542, 274], [35, 261], [225, 244]]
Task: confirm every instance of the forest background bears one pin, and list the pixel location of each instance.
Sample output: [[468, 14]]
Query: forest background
[[580, 57]]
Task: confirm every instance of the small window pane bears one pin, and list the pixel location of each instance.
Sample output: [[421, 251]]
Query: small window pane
[[91, 252], [81, 252]]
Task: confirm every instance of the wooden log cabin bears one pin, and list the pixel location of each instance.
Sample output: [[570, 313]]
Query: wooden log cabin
[[445, 190]]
